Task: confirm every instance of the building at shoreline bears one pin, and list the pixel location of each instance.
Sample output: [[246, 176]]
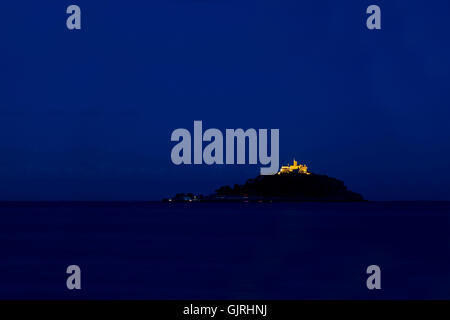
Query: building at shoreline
[[296, 168]]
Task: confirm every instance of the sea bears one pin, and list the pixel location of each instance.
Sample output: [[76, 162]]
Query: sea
[[155, 250]]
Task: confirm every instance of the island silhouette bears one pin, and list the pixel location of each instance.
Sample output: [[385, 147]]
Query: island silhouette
[[290, 184]]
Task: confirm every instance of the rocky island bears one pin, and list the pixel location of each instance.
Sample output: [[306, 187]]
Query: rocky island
[[291, 183]]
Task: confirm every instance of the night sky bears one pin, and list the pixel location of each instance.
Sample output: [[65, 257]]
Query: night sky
[[87, 115]]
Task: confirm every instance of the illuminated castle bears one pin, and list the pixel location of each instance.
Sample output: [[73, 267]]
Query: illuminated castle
[[302, 168]]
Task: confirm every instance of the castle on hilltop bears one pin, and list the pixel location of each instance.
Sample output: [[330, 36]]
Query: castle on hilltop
[[302, 168]]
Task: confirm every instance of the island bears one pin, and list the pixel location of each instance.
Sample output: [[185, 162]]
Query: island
[[292, 183]]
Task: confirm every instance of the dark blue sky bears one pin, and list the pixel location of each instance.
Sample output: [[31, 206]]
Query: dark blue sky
[[87, 115]]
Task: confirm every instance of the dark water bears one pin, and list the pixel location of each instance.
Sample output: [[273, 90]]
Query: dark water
[[225, 251]]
